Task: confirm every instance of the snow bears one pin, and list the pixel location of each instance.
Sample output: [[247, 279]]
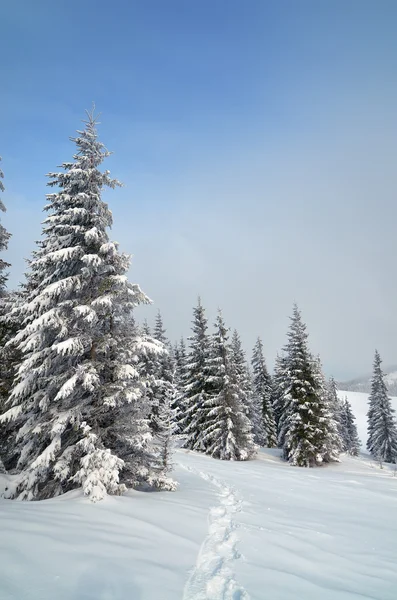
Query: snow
[[234, 530]]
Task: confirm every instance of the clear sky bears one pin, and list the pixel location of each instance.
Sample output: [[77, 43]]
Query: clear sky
[[257, 141]]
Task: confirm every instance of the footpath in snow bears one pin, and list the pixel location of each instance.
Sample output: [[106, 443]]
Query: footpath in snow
[[213, 574]]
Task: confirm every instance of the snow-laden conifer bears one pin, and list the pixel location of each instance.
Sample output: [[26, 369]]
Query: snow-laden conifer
[[163, 382], [333, 439], [180, 364], [382, 430], [197, 387], [78, 397], [249, 400], [262, 390], [166, 427], [305, 424], [335, 404], [277, 395], [227, 431], [6, 301], [4, 238], [351, 442]]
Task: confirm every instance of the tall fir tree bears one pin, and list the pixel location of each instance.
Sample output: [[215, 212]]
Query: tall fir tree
[[7, 358], [180, 355], [255, 412], [305, 424], [262, 389], [4, 238], [178, 406], [166, 428], [336, 406], [196, 388], [163, 382], [277, 395], [351, 442], [227, 431], [333, 439], [249, 400], [382, 430], [78, 398], [159, 331]]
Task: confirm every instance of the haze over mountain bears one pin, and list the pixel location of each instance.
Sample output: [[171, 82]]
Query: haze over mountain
[[363, 384]]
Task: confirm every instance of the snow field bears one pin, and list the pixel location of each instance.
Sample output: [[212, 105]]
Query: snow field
[[258, 530]]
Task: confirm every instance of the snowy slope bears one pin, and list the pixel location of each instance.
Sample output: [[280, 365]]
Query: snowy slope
[[260, 530], [359, 402]]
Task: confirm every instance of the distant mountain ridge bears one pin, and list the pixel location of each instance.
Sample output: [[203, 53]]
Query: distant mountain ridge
[[363, 384]]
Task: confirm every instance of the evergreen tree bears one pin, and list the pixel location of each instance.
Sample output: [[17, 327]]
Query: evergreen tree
[[255, 412], [277, 396], [180, 354], [146, 331], [166, 427], [333, 440], [6, 301], [382, 430], [305, 424], [262, 388], [227, 432], [4, 237], [78, 398], [335, 405], [196, 389], [351, 442], [159, 331], [10, 358], [163, 381], [178, 406], [249, 401]]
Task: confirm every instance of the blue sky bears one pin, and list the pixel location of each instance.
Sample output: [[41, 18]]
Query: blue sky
[[257, 144]]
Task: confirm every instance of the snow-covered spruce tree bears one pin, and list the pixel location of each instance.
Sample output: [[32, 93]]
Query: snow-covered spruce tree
[[163, 383], [227, 431], [255, 412], [166, 428], [6, 329], [180, 362], [262, 389], [180, 356], [78, 398], [162, 394], [277, 394], [249, 400], [163, 418], [159, 331], [10, 358], [335, 404], [382, 430], [351, 442], [305, 421], [333, 441], [196, 389], [4, 237]]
